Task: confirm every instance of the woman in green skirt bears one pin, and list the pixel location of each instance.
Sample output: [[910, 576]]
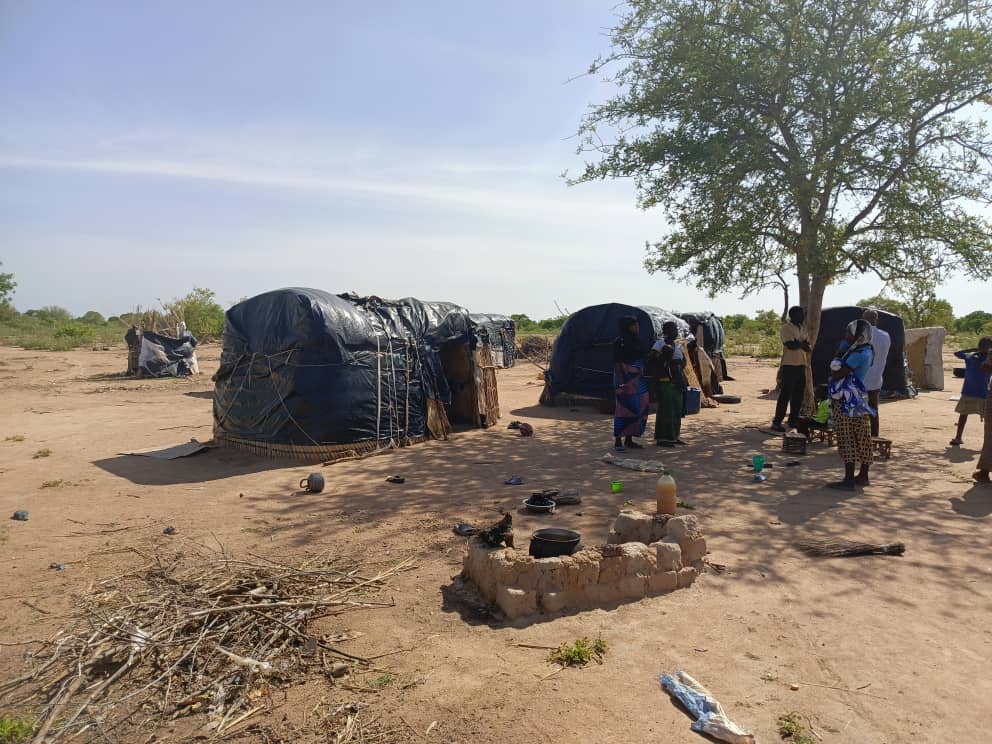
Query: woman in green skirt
[[667, 362]]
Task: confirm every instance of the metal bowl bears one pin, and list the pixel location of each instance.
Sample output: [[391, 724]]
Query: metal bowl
[[553, 541]]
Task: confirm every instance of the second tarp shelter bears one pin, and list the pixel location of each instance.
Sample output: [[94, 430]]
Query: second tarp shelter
[[833, 323], [501, 333], [582, 355], [309, 374], [710, 336]]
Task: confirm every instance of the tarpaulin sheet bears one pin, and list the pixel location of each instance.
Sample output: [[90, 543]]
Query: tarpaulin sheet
[[833, 323], [501, 334], [164, 356], [307, 367], [713, 334], [582, 356]]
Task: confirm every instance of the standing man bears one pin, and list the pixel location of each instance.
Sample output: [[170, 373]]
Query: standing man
[[881, 342], [795, 344]]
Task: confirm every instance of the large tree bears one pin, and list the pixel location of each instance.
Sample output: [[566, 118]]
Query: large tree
[[820, 137]]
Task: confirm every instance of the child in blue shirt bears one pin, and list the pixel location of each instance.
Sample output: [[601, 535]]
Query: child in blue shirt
[[976, 385]]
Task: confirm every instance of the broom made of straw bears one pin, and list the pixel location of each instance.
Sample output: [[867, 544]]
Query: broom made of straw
[[843, 548]]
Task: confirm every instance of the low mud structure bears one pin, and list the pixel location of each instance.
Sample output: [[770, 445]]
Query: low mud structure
[[645, 555]]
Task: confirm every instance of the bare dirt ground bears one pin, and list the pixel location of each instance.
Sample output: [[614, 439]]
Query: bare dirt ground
[[883, 649]]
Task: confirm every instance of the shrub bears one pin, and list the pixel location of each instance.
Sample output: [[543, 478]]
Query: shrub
[[92, 317], [74, 331], [15, 730], [199, 310]]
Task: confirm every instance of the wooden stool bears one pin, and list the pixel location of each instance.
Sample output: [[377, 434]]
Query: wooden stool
[[882, 446]]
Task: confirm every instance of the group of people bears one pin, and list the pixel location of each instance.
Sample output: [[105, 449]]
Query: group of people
[[853, 393], [849, 403], [636, 368]]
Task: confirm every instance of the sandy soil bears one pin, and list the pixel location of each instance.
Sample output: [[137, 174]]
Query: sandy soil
[[882, 649]]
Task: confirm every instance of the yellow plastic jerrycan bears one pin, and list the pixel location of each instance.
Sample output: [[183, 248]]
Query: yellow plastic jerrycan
[[665, 491]]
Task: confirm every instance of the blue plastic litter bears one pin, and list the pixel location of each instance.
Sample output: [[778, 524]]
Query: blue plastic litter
[[697, 705]]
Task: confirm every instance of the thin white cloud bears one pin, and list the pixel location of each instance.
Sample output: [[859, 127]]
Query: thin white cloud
[[524, 197]]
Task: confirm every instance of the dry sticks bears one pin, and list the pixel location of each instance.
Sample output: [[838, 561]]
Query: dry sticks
[[191, 634]]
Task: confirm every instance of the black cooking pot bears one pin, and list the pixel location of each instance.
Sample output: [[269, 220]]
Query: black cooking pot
[[553, 541]]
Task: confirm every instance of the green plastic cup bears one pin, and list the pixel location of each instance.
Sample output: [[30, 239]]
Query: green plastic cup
[[616, 486], [759, 463]]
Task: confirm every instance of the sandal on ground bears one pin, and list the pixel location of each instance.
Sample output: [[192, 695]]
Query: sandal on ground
[[956, 442], [681, 441], [665, 444], [634, 445], [842, 486], [619, 448], [981, 476], [777, 427], [859, 481]]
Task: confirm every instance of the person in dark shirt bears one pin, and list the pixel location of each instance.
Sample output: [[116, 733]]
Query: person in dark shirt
[[975, 389]]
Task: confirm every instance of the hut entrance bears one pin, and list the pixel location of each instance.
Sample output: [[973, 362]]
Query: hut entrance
[[471, 375]]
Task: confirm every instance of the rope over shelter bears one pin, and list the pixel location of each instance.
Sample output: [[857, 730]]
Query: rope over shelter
[[312, 375]]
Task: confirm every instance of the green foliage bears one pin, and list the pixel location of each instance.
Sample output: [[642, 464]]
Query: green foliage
[[53, 483], [15, 730], [32, 331], [7, 287], [579, 653], [758, 336], [383, 680], [199, 310], [8, 313], [75, 332], [917, 304], [976, 322], [45, 452], [830, 138], [792, 729], [546, 326], [50, 314], [92, 317]]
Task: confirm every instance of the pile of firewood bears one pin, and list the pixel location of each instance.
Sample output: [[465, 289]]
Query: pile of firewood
[[192, 634]]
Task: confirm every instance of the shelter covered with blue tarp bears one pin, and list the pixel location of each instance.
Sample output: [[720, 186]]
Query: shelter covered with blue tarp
[[582, 355], [306, 373]]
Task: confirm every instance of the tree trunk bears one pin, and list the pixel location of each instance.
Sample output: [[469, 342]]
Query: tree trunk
[[814, 311]]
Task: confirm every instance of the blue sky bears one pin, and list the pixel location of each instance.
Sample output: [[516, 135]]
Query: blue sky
[[391, 148]]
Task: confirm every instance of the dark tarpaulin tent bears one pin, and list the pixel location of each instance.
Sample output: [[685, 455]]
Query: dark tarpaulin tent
[[832, 324], [582, 355], [501, 332], [311, 374], [157, 355]]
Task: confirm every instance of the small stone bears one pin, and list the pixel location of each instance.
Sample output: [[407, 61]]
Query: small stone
[[668, 554], [553, 602], [169, 531], [693, 549], [687, 576], [633, 526], [21, 515], [684, 527], [663, 581], [516, 602], [793, 687], [339, 669]]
